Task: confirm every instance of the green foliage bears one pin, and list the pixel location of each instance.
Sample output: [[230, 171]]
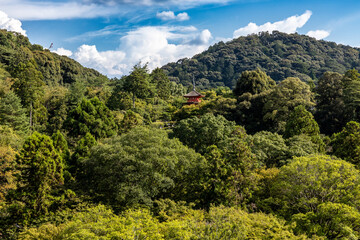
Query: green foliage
[[253, 82], [287, 95], [269, 148], [351, 83], [28, 84], [281, 55], [346, 144], [82, 151], [57, 108], [301, 121], [162, 83], [251, 90], [129, 121], [230, 178], [12, 113], [200, 133], [330, 106], [306, 182], [9, 137], [301, 145], [241, 165], [138, 83], [332, 220], [120, 169], [7, 171], [41, 172], [219, 223], [61, 145], [91, 116]]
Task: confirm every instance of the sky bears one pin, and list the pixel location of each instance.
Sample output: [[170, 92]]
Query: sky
[[112, 36]]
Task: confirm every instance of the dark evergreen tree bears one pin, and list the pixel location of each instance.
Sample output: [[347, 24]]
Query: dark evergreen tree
[[252, 89], [161, 82], [330, 106], [138, 83], [91, 116], [12, 113], [41, 174]]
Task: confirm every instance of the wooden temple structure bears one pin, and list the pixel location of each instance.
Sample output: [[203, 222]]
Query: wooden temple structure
[[193, 97]]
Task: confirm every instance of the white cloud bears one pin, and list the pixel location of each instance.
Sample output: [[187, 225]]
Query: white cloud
[[318, 34], [47, 10], [289, 25], [166, 15], [63, 52], [155, 45], [107, 62], [11, 24], [170, 15], [69, 9], [182, 16], [181, 3]]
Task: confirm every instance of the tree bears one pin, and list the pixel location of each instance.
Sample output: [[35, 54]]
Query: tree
[[91, 116], [41, 173], [351, 83], [301, 121], [253, 82], [141, 166], [332, 220], [330, 106], [61, 145], [56, 105], [12, 113], [251, 90], [129, 121], [138, 83], [306, 182], [346, 144], [241, 165], [82, 151], [200, 133], [181, 222], [162, 83], [28, 83], [301, 145], [287, 95], [269, 148], [7, 171]]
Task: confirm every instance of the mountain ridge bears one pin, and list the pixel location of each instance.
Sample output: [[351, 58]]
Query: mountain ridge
[[280, 55]]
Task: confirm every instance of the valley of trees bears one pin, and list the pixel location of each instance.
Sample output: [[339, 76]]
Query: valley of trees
[[87, 157]]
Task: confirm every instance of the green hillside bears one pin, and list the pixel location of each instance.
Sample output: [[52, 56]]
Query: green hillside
[[280, 55], [55, 69]]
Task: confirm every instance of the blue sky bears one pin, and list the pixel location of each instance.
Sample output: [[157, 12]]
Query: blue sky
[[113, 35]]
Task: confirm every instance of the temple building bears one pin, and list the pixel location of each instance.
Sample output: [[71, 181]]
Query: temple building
[[193, 97]]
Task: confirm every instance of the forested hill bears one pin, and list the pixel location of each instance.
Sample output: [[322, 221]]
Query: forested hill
[[55, 69], [280, 55]]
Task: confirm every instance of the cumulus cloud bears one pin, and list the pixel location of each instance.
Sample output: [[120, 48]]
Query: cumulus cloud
[[63, 52], [107, 62], [289, 25], [155, 45], [170, 15], [11, 24], [318, 34]]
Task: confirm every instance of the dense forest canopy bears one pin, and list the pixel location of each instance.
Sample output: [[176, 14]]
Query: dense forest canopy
[[87, 157], [280, 55]]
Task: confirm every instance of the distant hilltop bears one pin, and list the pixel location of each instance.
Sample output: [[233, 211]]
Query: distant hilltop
[[280, 55]]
